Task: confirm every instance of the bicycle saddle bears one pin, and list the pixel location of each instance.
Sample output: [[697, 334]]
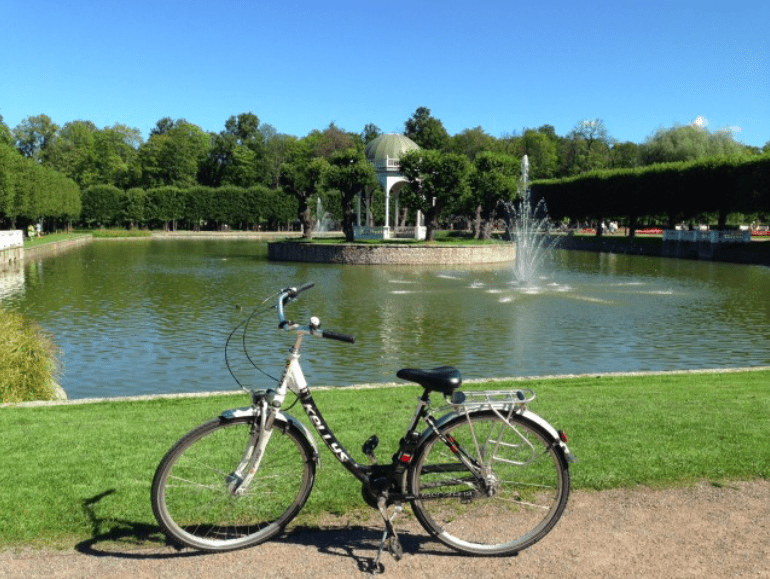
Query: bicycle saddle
[[444, 379]]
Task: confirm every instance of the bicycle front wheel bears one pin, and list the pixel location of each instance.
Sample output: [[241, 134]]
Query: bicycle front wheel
[[518, 496], [190, 492]]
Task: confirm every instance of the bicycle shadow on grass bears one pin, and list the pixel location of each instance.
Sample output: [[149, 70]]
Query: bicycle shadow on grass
[[125, 539]]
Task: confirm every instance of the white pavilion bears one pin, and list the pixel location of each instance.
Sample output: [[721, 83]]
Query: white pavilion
[[384, 153]]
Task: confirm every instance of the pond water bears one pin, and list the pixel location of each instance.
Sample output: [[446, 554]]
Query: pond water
[[152, 316]]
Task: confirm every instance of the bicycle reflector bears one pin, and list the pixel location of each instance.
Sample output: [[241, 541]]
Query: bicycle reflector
[[563, 436]]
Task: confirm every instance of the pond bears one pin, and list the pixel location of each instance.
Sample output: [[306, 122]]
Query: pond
[[152, 316]]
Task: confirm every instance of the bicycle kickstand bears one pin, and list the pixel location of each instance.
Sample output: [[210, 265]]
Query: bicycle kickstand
[[389, 537]]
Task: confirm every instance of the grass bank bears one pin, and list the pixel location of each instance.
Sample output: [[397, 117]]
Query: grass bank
[[27, 360], [32, 242], [77, 473]]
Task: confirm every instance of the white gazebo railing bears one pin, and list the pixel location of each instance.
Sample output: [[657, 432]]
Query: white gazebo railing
[[9, 239], [369, 232]]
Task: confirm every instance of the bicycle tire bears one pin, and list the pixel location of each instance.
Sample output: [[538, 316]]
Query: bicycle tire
[[528, 487], [190, 496]]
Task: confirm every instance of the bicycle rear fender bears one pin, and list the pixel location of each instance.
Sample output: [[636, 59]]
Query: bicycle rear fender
[[281, 419], [538, 420]]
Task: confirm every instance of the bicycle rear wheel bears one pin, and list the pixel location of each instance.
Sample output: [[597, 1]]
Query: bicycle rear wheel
[[190, 492], [523, 494]]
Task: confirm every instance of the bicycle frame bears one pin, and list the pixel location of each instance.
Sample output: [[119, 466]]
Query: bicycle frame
[[266, 404], [431, 469], [294, 380]]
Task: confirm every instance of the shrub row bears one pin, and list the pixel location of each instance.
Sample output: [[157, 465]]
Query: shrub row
[[193, 208], [31, 192], [679, 191]]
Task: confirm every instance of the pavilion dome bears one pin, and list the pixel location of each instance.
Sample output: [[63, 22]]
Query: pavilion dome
[[388, 147]]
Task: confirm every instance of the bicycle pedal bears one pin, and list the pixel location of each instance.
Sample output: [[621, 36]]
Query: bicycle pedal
[[369, 446]]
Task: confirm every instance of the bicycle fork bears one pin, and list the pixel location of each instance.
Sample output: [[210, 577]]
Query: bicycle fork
[[240, 479]]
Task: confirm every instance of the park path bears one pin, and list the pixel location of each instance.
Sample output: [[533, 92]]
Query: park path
[[707, 531]]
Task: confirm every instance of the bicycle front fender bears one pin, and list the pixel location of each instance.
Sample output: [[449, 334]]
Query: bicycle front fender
[[282, 420]]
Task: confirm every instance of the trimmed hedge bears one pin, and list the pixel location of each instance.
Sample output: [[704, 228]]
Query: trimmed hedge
[[172, 207], [680, 191], [30, 192]]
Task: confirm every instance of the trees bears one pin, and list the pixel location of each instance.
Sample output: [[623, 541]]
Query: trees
[[34, 192], [436, 182], [327, 142], [586, 147], [34, 135], [541, 147], [349, 173], [173, 154], [426, 130], [301, 178], [688, 143], [6, 138], [238, 154], [471, 142], [493, 178], [90, 156], [370, 132]]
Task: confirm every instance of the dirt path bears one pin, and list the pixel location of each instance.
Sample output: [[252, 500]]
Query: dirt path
[[701, 532]]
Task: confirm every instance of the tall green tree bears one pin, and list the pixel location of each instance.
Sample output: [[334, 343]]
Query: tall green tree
[[173, 154], [625, 155], [6, 137], [472, 142], [350, 173], [332, 139], [73, 153], [35, 135], [278, 148], [541, 147], [238, 154], [688, 143], [587, 147], [436, 181], [493, 178], [301, 177], [370, 132], [426, 130]]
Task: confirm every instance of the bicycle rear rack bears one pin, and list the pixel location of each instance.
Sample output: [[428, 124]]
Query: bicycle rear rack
[[490, 399]]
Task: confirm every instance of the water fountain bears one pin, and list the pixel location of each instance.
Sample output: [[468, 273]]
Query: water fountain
[[324, 221], [528, 227]]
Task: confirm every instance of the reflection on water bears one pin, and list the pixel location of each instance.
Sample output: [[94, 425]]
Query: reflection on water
[[147, 316]]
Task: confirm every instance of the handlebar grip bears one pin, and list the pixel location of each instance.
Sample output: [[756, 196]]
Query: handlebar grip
[[295, 291], [337, 336]]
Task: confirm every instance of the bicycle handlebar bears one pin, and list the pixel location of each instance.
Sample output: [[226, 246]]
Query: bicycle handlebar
[[290, 294], [337, 336]]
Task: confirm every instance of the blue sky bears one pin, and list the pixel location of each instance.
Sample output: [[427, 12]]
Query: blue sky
[[300, 65]]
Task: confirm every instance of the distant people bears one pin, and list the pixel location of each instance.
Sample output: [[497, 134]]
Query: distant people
[[39, 229]]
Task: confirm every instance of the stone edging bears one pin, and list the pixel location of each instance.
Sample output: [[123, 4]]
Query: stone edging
[[57, 246], [366, 254]]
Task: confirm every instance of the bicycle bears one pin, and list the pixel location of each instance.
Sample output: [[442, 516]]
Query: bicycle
[[487, 477]]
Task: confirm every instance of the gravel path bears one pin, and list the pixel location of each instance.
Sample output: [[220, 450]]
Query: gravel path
[[700, 532]]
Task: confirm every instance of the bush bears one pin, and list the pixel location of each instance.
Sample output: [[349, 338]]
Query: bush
[[27, 361]]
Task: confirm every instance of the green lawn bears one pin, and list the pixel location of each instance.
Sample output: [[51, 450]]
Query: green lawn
[[30, 242], [75, 473]]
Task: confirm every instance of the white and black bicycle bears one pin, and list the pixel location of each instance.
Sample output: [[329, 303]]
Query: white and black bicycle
[[483, 474]]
